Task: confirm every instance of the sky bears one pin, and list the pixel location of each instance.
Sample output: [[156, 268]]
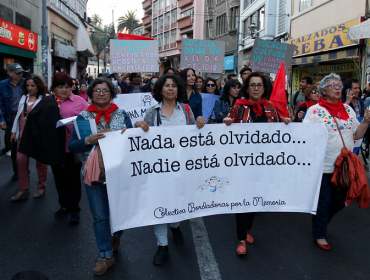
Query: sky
[[104, 9]]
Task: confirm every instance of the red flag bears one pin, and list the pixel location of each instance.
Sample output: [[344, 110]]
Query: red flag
[[278, 95], [123, 36]]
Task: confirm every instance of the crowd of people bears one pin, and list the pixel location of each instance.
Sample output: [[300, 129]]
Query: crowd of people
[[30, 110]]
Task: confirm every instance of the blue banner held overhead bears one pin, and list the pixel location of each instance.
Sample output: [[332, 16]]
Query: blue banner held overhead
[[208, 103]]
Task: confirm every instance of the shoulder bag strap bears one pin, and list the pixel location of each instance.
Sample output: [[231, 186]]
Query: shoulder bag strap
[[340, 133], [159, 122]]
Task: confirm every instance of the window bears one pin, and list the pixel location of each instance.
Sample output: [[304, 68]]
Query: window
[[282, 16], [166, 38], [219, 1], [210, 3], [155, 6], [22, 21], [167, 18], [258, 18], [221, 24], [173, 1], [304, 4], [209, 29], [173, 36], [261, 18], [234, 19], [6, 13], [155, 24], [190, 13], [160, 22], [167, 3], [160, 40], [247, 3], [161, 5], [173, 16]]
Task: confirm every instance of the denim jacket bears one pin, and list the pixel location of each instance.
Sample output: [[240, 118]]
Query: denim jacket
[[75, 145], [221, 109], [6, 95]]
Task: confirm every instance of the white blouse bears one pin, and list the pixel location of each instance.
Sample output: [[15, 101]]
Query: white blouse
[[319, 114]]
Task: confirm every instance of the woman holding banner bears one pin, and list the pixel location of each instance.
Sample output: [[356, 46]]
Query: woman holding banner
[[170, 110], [193, 98], [227, 99], [254, 108], [312, 97], [107, 117], [333, 113]]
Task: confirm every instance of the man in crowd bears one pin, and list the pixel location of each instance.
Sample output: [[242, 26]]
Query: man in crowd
[[299, 97], [10, 94], [245, 72], [135, 83]]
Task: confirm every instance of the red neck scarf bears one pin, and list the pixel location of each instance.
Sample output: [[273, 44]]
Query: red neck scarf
[[106, 112], [257, 108], [336, 110], [307, 103]]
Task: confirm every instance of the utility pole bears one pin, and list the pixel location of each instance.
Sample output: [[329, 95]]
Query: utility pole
[[44, 43], [105, 49]]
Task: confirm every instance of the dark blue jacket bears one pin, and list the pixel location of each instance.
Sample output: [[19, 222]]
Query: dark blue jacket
[[362, 105], [6, 97], [195, 103]]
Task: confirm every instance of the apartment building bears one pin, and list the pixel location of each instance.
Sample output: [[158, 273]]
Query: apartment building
[[168, 21]]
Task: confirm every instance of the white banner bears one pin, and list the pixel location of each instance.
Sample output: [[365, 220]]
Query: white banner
[[174, 173], [135, 104]]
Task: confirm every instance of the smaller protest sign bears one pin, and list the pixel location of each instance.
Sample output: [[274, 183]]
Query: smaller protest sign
[[266, 56], [134, 56], [203, 55]]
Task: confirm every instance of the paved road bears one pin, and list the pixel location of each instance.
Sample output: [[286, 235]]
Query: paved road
[[32, 239]]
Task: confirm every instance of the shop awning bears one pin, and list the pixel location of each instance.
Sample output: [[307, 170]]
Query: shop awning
[[16, 51], [359, 31], [84, 46], [348, 53]]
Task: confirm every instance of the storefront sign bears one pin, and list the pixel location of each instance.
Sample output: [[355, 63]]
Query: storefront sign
[[296, 79], [229, 62], [13, 35], [267, 56], [337, 68], [134, 56], [203, 55], [173, 173], [65, 51], [330, 38]]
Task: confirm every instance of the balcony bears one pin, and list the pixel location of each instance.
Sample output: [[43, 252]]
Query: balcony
[[166, 28], [146, 34], [173, 46], [184, 22], [147, 20], [166, 47], [184, 3], [147, 4], [179, 44], [173, 25]]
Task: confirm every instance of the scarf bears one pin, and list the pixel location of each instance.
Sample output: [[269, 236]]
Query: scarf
[[106, 112], [336, 110], [257, 108], [307, 103]]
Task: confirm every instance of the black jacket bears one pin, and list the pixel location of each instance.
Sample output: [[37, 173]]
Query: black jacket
[[41, 139]]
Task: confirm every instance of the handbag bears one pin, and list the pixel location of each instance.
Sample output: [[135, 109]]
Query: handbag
[[212, 119], [342, 179]]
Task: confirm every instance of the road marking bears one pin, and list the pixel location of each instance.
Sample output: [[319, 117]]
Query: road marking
[[206, 259]]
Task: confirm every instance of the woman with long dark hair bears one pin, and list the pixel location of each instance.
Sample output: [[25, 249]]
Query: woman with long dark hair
[[210, 86], [194, 99], [34, 89], [227, 99]]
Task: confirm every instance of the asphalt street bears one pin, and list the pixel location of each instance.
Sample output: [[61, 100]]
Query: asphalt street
[[31, 239]]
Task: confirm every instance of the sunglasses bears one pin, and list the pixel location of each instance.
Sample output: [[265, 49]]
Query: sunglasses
[[211, 85]]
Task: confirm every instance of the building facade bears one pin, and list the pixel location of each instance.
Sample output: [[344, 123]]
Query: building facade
[[168, 21], [20, 34], [221, 21], [269, 18], [321, 40]]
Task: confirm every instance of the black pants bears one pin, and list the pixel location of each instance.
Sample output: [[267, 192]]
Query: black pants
[[244, 222], [68, 182], [11, 146]]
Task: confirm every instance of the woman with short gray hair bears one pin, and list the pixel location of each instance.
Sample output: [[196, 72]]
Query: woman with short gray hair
[[336, 116]]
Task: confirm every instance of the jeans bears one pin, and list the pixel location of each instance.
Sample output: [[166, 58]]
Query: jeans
[[331, 201], [244, 223], [99, 207], [161, 233]]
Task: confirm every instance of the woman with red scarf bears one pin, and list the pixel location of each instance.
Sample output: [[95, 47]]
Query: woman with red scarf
[[331, 201], [107, 116], [254, 108], [312, 96]]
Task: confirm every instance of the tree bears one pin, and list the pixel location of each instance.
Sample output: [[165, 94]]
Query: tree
[[128, 22], [96, 20]]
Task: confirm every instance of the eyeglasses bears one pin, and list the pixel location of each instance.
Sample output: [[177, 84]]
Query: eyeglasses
[[210, 85], [74, 84], [98, 91], [256, 86], [340, 86], [314, 91]]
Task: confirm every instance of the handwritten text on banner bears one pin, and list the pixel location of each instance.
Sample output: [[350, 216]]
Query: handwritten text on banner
[[175, 173]]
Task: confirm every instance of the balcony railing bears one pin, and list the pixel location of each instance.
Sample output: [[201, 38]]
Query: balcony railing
[[184, 3], [64, 8], [147, 4], [146, 20], [184, 22]]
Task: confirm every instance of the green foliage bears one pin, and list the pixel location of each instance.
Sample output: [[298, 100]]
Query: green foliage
[[128, 21], [97, 39]]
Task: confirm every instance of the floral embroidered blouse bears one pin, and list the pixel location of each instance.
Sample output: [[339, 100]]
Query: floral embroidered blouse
[[319, 114]]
